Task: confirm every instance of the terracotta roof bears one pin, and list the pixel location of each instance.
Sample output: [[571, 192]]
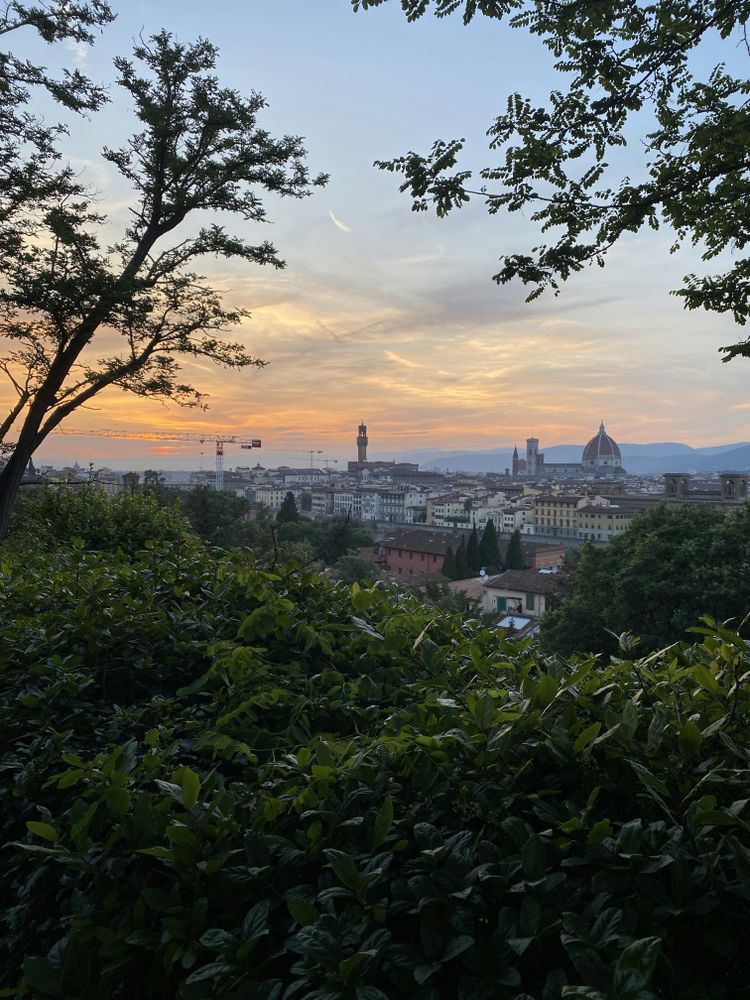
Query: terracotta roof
[[431, 542], [529, 581], [473, 587]]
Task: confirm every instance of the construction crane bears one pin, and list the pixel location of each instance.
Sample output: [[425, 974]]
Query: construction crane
[[220, 439]]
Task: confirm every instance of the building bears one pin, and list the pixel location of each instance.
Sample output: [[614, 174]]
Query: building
[[600, 459], [418, 552], [577, 516], [362, 441], [731, 488], [520, 591]]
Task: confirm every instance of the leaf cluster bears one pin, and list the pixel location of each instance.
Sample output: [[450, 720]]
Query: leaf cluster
[[302, 789], [623, 66]]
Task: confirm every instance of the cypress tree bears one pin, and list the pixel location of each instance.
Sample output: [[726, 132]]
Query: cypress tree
[[472, 551], [489, 550], [288, 511], [449, 564], [515, 556], [462, 563]]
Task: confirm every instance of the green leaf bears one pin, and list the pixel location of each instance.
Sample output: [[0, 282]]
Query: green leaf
[[546, 691], [383, 822], [213, 971], [43, 830], [180, 836], [303, 911], [117, 799], [635, 967], [216, 939], [689, 740], [423, 972], [457, 946], [256, 919], [40, 974], [584, 738], [532, 859], [345, 868], [484, 711], [706, 679], [191, 787]]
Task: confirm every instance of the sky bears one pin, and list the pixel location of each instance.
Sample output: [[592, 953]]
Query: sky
[[390, 316]]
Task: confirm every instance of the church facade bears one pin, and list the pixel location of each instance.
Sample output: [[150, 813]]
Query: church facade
[[600, 458]]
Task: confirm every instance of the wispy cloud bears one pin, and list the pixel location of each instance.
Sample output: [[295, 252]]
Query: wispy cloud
[[339, 224], [78, 51]]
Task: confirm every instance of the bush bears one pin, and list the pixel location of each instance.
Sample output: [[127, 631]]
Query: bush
[[50, 515], [344, 794]]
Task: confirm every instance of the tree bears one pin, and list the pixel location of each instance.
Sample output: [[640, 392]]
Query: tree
[[462, 562], [655, 581], [356, 567], [288, 510], [472, 551], [514, 558], [216, 515], [200, 148], [489, 550], [625, 65], [449, 565]]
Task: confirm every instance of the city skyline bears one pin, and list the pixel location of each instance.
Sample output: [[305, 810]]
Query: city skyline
[[393, 314]]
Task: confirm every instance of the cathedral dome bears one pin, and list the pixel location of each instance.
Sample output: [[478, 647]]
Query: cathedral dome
[[601, 450]]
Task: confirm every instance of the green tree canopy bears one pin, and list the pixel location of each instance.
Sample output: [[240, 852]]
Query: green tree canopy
[[356, 567], [514, 558], [199, 147], [288, 510], [449, 564], [671, 566], [489, 550], [472, 550], [462, 562], [625, 67]]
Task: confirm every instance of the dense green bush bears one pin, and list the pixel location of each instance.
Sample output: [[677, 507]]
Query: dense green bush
[[312, 791], [671, 566], [49, 515]]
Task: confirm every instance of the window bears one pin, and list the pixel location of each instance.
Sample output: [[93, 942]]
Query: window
[[530, 602], [502, 603]]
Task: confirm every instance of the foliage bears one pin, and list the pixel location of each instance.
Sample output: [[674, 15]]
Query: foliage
[[225, 780], [622, 65], [48, 516], [200, 148], [489, 550], [449, 564], [514, 558], [288, 510], [654, 581], [462, 562], [437, 594], [329, 539], [356, 567], [472, 551]]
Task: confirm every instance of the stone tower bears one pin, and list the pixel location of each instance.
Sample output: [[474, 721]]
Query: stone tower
[[362, 443], [532, 456], [676, 485]]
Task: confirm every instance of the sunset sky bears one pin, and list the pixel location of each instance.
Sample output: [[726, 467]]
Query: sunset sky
[[390, 316]]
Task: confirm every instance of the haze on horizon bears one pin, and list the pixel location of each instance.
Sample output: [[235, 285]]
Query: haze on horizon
[[391, 316]]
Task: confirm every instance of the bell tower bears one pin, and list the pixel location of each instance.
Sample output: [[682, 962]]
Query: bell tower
[[362, 443]]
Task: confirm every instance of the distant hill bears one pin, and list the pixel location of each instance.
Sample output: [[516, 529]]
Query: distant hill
[[645, 459]]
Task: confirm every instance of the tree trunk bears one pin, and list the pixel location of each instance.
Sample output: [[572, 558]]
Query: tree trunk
[[10, 480]]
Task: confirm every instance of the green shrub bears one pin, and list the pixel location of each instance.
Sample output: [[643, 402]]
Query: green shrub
[[350, 795], [50, 515]]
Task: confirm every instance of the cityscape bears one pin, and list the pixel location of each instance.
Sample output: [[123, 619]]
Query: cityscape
[[374, 513]]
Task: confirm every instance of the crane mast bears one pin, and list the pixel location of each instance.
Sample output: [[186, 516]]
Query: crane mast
[[220, 439]]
